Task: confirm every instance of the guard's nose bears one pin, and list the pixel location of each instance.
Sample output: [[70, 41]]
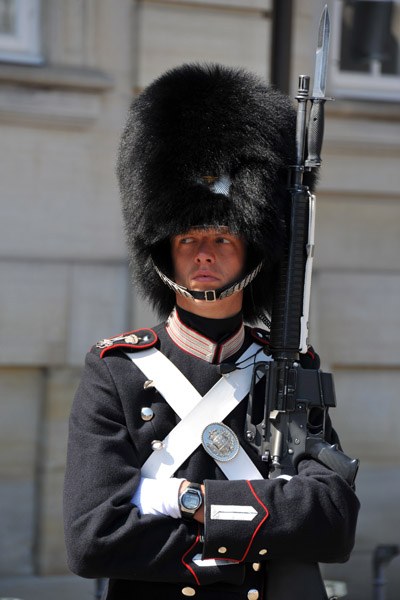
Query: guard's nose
[[205, 253]]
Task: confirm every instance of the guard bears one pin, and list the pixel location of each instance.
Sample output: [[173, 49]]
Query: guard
[[164, 496]]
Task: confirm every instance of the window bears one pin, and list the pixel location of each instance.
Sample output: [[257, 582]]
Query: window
[[366, 49], [19, 31]]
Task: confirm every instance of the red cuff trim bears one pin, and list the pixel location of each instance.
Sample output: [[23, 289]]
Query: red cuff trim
[[187, 552], [259, 525], [238, 560]]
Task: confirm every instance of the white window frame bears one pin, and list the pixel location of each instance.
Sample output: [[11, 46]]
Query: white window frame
[[366, 86], [23, 45]]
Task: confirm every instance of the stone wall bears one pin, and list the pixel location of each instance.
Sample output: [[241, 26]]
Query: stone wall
[[63, 265]]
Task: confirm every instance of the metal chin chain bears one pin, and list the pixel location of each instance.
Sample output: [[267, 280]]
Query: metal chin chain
[[209, 295]]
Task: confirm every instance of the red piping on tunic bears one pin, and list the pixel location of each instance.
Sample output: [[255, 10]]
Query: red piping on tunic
[[187, 552], [259, 525]]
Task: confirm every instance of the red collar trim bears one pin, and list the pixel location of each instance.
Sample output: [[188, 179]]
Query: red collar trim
[[198, 345]]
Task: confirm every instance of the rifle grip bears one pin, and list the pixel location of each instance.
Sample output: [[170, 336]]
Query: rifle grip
[[336, 460]]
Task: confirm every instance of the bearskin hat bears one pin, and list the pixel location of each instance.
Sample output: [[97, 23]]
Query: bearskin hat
[[193, 124]]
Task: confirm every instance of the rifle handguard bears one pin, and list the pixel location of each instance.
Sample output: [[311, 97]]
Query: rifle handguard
[[288, 293]]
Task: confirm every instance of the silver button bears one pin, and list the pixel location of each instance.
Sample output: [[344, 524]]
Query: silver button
[[253, 594], [222, 550], [256, 566], [157, 445], [263, 551], [148, 384], [147, 413], [188, 591]]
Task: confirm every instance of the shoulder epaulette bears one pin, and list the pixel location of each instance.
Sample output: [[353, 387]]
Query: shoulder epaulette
[[262, 336], [140, 339]]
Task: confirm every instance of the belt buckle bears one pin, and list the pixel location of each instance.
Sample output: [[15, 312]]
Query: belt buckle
[[213, 295], [220, 442]]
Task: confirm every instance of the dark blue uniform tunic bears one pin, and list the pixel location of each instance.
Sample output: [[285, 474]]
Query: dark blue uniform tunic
[[310, 518]]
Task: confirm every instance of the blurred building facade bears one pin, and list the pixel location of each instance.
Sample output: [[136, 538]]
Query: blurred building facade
[[68, 72]]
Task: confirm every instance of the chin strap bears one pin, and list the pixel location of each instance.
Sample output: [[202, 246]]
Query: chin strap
[[210, 295]]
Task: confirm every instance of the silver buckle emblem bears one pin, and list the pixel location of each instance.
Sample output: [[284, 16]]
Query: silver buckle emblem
[[220, 442]]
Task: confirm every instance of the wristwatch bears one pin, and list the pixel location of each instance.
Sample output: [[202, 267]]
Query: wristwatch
[[190, 501]]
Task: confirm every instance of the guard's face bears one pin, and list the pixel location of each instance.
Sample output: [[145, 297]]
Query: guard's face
[[207, 259]]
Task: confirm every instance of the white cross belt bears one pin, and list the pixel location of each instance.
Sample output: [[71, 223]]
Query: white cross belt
[[196, 412]]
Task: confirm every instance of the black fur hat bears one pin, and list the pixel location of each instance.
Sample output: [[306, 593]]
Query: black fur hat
[[206, 120]]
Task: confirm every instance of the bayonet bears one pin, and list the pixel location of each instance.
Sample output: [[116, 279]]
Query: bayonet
[[321, 55], [315, 134], [316, 119]]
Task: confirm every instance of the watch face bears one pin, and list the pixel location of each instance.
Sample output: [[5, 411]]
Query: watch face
[[190, 500]]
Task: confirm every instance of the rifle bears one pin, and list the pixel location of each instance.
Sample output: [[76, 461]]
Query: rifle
[[283, 436]]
